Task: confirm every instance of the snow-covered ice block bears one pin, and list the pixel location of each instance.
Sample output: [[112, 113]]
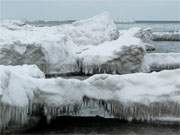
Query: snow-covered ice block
[[140, 96], [166, 36], [161, 61], [124, 55]]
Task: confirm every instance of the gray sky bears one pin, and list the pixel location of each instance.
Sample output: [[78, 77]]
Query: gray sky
[[124, 10]]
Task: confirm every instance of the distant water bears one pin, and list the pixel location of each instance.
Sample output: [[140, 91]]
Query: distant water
[[167, 46], [97, 125], [48, 23], [161, 46], [155, 26]]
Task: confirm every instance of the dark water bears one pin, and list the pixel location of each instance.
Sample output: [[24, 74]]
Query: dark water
[[98, 125]]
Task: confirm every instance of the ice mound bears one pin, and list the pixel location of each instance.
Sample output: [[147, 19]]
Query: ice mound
[[139, 96], [94, 30], [161, 61], [124, 55], [166, 36], [66, 48]]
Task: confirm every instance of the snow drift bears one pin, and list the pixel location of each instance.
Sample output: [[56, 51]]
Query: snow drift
[[139, 96], [76, 47]]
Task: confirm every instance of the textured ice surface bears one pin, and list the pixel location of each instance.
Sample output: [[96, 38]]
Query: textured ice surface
[[124, 55], [88, 46], [141, 96]]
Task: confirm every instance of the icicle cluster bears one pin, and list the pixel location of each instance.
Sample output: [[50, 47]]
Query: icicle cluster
[[128, 60]]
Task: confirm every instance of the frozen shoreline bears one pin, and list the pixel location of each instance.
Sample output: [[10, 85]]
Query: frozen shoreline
[[91, 46]]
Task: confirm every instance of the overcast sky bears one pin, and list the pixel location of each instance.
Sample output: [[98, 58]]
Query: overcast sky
[[124, 10]]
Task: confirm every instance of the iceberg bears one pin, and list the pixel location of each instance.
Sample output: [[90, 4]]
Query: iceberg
[[139, 96]]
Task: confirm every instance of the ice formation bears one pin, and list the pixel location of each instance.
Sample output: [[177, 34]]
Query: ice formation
[[124, 55], [145, 35], [161, 61], [166, 36], [140, 96], [66, 48]]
